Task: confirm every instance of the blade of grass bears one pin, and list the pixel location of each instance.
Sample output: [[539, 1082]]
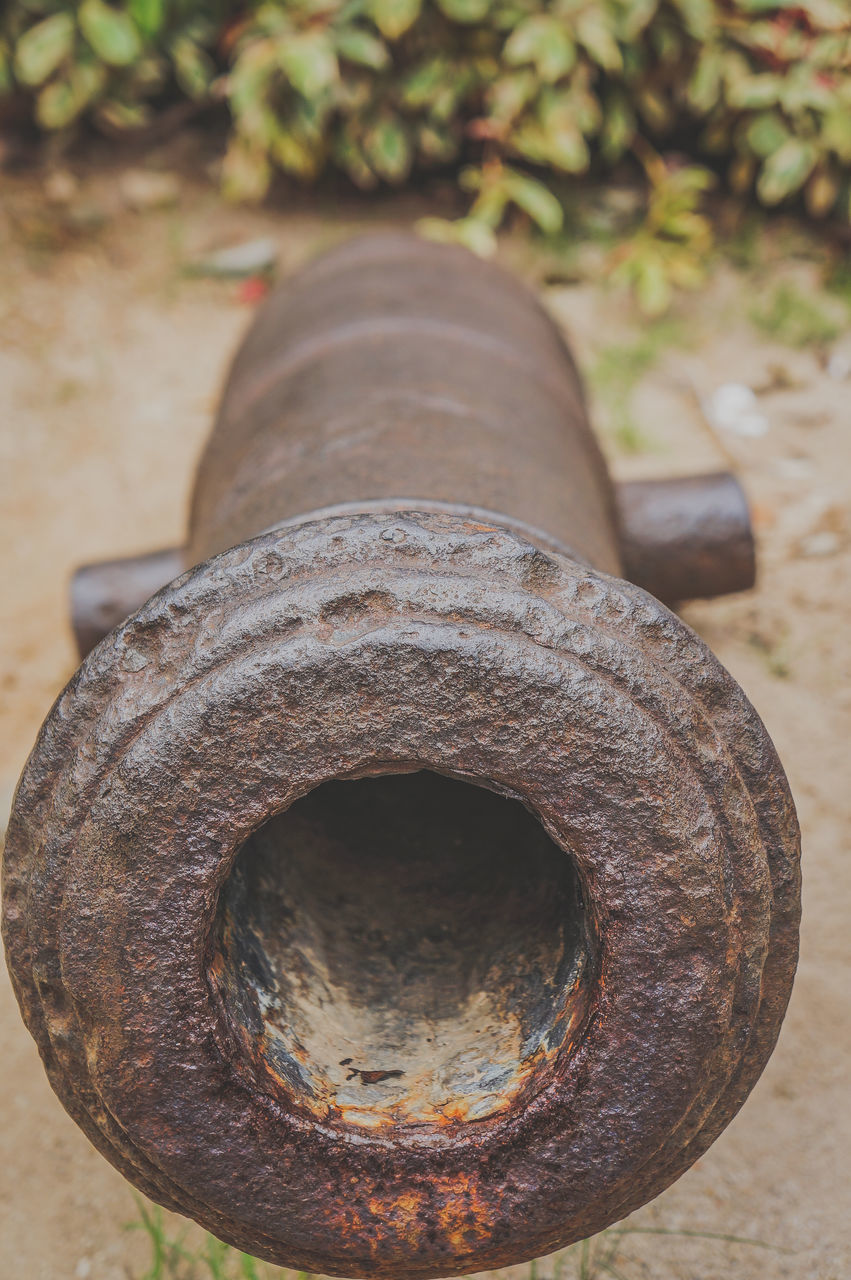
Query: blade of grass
[[151, 1223], [585, 1261], [561, 1262], [167, 1253], [215, 1255], [702, 1235], [609, 1243], [611, 1270]]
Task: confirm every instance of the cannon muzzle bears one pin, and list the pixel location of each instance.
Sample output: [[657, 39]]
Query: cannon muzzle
[[400, 891]]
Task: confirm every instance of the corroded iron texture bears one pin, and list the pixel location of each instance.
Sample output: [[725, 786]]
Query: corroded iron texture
[[105, 593], [392, 369], [396, 893], [687, 538]]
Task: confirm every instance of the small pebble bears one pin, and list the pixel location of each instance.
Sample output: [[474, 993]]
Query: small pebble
[[143, 189], [60, 187], [839, 366], [83, 1268], [733, 407], [825, 543], [253, 258]]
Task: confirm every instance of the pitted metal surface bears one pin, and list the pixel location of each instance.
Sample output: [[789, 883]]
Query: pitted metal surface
[[391, 368], [396, 893], [371, 646]]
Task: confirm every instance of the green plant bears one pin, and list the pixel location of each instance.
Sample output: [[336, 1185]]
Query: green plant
[[519, 95], [213, 1260], [791, 317], [115, 63], [672, 245], [617, 372], [774, 652], [497, 187]]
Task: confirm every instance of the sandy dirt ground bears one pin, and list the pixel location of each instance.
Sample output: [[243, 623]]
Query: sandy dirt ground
[[110, 363]]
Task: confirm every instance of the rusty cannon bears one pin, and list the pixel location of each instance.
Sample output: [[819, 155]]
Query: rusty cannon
[[403, 890]]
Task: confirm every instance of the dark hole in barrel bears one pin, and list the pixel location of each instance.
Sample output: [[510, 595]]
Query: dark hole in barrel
[[404, 949]]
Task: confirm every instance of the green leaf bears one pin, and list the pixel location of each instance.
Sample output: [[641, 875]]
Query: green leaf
[[89, 79], [704, 88], [831, 14], [64, 99], [561, 118], [740, 173], [766, 133], [56, 105], [652, 286], [149, 15], [490, 204], [5, 68], [786, 170], [363, 48], [309, 62], [246, 172], [529, 140], [655, 108], [387, 148], [755, 91], [248, 1267], [699, 16], [595, 33], [635, 17], [124, 115], [568, 150], [112, 34], [193, 67], [394, 17], [348, 154], [425, 82], [618, 126], [821, 193], [41, 49], [465, 10], [297, 145], [469, 232], [827, 14], [509, 94], [436, 145], [544, 41], [535, 199], [836, 133], [476, 236]]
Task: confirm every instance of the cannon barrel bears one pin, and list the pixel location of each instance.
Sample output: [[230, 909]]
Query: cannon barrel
[[401, 891]]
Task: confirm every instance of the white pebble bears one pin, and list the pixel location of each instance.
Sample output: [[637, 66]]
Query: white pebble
[[825, 543], [839, 366], [733, 407]]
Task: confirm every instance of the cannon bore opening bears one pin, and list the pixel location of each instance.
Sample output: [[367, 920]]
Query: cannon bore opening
[[408, 949]]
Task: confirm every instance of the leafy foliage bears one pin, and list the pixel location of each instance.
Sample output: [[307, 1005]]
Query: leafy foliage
[[791, 317], [671, 247], [759, 90]]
